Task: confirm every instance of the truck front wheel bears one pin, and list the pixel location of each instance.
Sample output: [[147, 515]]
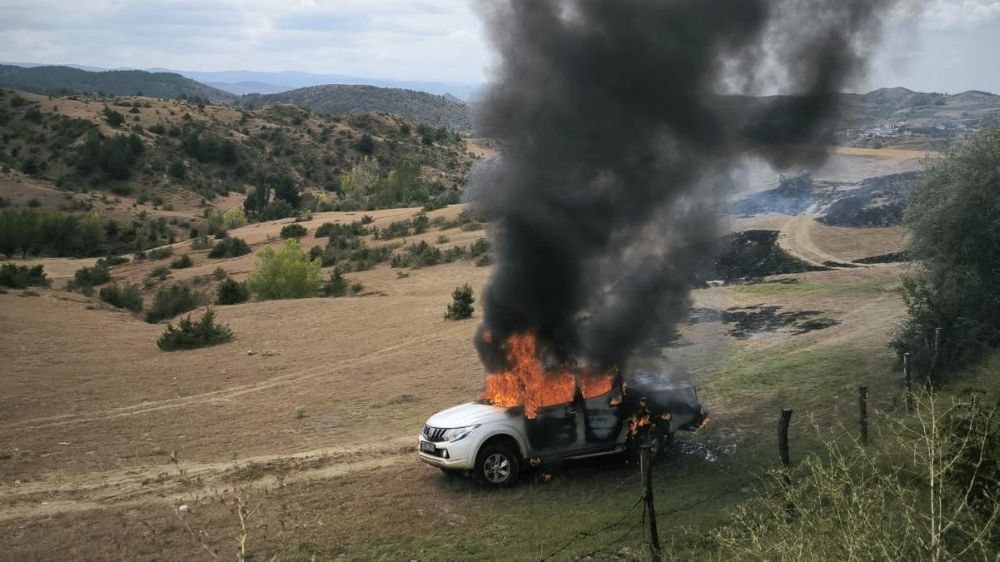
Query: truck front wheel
[[497, 466]]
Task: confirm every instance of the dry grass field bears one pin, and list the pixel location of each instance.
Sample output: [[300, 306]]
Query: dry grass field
[[113, 450]]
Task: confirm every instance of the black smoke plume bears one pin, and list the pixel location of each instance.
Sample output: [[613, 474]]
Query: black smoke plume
[[616, 139]]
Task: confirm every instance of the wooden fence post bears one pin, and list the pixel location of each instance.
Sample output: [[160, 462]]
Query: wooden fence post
[[649, 515], [786, 418], [907, 377], [863, 410]]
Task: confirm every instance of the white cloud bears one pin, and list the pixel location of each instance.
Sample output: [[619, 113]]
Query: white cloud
[[960, 14], [406, 39]]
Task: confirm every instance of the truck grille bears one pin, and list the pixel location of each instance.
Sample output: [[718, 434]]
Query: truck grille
[[434, 434]]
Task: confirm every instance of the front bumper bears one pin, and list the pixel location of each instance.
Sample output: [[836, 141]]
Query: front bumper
[[454, 455]]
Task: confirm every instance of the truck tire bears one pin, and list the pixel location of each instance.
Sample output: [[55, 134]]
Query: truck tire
[[497, 466]]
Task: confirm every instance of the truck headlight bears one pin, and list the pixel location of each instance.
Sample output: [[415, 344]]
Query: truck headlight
[[457, 433]]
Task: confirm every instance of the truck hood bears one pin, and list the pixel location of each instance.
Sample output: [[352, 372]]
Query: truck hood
[[467, 414]]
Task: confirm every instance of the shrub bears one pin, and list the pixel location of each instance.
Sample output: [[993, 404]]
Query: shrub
[[232, 292], [91, 276], [396, 229], [479, 247], [293, 230], [160, 272], [182, 262], [193, 335], [287, 273], [127, 297], [421, 254], [420, 224], [906, 499], [173, 301], [461, 305], [22, 277], [160, 253], [336, 286], [201, 243], [219, 274], [229, 248]]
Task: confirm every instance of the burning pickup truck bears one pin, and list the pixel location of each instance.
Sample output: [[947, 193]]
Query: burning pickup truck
[[494, 441]]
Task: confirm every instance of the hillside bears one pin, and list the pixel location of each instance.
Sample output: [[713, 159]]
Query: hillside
[[66, 80], [169, 163], [429, 109]]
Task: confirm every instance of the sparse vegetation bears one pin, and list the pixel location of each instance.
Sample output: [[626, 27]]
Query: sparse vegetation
[[193, 335]]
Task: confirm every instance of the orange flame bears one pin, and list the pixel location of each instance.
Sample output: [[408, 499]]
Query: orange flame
[[528, 383]]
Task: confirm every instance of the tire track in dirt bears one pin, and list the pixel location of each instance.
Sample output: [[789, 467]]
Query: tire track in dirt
[[795, 237], [184, 481], [232, 392]]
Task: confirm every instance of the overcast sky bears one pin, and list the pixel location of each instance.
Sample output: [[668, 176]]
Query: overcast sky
[[951, 47]]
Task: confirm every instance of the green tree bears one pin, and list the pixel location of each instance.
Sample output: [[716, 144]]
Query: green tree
[[403, 183], [231, 292], [112, 117], [366, 144], [461, 305], [286, 273], [954, 219]]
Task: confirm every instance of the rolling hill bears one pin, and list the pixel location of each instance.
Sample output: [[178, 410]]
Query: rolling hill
[[66, 80], [432, 110], [140, 159]]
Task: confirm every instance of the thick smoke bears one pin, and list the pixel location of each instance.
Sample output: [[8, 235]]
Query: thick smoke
[[616, 141]]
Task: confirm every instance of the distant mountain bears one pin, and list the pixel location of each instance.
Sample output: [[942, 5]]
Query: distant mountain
[[244, 88], [66, 80], [232, 80], [887, 105], [432, 110]]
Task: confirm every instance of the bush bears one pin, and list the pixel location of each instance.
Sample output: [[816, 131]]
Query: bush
[[955, 237], [182, 262], [287, 273], [160, 253], [160, 272], [219, 274], [91, 276], [293, 230], [904, 500], [232, 292], [461, 305], [173, 301], [22, 277], [336, 286], [127, 297], [229, 248], [193, 335]]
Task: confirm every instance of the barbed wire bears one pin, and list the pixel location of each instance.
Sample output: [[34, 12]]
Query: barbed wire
[[592, 532]]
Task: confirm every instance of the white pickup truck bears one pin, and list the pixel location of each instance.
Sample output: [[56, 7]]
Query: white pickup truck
[[494, 444]]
